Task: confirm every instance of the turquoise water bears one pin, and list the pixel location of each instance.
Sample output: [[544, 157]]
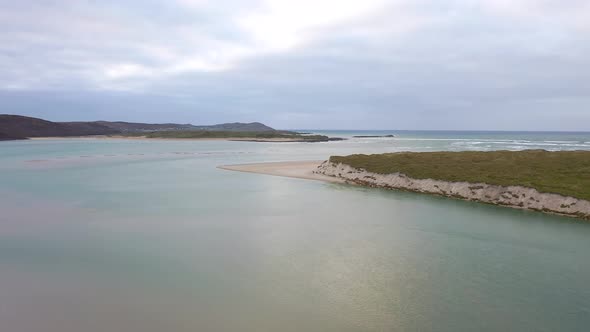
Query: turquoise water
[[106, 235]]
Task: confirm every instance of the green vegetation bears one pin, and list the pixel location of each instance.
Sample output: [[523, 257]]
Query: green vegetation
[[563, 172], [232, 134]]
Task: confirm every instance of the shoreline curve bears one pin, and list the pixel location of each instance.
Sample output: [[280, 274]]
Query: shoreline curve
[[291, 169], [510, 197]]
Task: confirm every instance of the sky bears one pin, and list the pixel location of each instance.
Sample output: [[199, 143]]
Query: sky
[[332, 64]]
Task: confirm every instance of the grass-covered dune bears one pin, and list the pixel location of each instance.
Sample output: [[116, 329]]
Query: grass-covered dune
[[266, 135], [564, 172]]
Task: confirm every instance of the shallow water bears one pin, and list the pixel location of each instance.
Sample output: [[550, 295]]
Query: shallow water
[[105, 235]]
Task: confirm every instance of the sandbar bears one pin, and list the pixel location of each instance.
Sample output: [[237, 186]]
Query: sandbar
[[291, 169]]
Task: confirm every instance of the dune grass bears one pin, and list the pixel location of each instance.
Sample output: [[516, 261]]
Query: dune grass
[[562, 172]]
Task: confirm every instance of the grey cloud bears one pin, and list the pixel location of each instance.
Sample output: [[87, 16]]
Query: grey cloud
[[437, 66]]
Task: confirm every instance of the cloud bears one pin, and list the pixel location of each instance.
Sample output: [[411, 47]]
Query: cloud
[[376, 63]]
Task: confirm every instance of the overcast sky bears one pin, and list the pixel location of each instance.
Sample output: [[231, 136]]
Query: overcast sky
[[366, 64]]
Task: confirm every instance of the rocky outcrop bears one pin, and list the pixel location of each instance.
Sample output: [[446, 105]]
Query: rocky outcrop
[[512, 196]]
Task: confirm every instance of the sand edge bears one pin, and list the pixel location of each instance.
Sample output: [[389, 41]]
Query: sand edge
[[291, 169]]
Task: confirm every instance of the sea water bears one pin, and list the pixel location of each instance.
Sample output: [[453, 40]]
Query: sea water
[[148, 235]]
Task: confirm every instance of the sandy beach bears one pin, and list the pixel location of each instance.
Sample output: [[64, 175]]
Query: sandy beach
[[291, 169]]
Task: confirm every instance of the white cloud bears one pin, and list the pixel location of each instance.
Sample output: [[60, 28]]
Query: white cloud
[[284, 24], [125, 70]]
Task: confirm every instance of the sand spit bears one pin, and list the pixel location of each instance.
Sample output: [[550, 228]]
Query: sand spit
[[291, 169], [511, 196]]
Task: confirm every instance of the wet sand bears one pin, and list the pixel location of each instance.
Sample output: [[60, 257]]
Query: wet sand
[[291, 169]]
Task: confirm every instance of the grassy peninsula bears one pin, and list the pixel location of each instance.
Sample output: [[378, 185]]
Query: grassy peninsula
[[238, 135], [562, 172]]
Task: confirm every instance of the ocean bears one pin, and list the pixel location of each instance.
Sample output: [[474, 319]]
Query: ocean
[[142, 235]]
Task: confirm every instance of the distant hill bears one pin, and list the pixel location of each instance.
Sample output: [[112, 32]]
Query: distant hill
[[137, 127], [24, 126], [236, 126], [18, 127]]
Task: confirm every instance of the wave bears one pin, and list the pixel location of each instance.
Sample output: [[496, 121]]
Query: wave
[[492, 142], [436, 139], [525, 143], [562, 141]]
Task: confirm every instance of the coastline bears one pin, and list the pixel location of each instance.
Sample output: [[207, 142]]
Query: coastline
[[118, 137], [512, 196]]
